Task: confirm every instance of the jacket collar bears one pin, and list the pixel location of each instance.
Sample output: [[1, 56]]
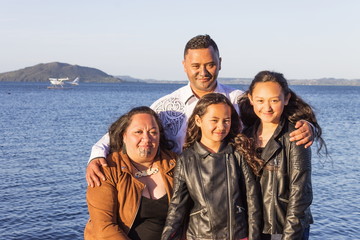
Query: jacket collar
[[225, 148], [273, 144], [165, 162]]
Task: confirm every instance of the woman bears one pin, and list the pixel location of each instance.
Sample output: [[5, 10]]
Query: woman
[[269, 109], [132, 202]]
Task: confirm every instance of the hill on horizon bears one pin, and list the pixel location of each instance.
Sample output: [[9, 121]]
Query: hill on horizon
[[43, 71]]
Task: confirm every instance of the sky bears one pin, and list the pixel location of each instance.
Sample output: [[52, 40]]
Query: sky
[[145, 39]]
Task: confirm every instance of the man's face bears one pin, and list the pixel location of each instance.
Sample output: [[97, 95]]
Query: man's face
[[202, 67]]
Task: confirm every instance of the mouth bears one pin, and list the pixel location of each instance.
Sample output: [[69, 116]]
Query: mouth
[[220, 133], [146, 146], [204, 79]]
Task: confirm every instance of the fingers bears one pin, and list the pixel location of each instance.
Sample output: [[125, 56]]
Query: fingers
[[303, 135], [306, 141], [94, 172], [102, 162], [309, 144]]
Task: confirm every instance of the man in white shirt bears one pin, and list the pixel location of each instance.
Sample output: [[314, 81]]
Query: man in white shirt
[[202, 63]]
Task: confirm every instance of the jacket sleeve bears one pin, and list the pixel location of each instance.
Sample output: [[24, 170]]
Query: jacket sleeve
[[300, 197], [179, 206], [253, 201], [103, 210]]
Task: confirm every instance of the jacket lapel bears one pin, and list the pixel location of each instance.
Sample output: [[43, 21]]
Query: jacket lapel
[[273, 144]]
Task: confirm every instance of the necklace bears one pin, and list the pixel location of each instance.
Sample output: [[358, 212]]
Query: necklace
[[148, 172]]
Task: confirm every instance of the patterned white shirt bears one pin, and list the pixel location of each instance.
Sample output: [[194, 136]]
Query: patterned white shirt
[[174, 110]]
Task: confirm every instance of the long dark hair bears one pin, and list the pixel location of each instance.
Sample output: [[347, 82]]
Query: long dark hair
[[193, 132], [118, 128], [294, 111], [241, 143]]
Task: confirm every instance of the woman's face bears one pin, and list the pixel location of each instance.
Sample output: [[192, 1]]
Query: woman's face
[[268, 101], [142, 137]]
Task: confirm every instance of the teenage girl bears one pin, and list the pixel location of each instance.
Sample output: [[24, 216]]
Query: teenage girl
[[269, 110], [215, 194]]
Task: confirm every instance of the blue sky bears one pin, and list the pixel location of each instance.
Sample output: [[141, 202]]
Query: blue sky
[[145, 39]]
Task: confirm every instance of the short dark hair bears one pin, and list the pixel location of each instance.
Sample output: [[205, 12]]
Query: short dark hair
[[201, 41], [118, 128]]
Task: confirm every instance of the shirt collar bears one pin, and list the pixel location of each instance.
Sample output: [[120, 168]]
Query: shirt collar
[[188, 94]]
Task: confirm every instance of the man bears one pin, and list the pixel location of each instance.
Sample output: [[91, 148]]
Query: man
[[202, 63]]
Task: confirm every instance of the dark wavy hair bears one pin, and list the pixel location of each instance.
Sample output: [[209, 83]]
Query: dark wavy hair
[[118, 128], [297, 109], [242, 143], [201, 41]]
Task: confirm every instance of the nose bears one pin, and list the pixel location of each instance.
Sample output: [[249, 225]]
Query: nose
[[145, 136], [221, 125], [267, 107], [203, 71]]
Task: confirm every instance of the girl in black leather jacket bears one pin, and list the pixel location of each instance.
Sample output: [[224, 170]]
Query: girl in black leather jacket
[[269, 109], [215, 194]]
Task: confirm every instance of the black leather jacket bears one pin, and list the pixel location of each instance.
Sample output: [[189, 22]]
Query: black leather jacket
[[210, 194], [285, 184]]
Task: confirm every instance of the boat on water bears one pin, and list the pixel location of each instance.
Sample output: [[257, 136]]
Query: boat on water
[[59, 83]]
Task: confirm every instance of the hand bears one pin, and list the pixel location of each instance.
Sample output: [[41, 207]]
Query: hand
[[244, 238], [93, 172], [303, 134]]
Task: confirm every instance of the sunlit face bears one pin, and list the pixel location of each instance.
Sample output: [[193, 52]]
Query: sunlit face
[[268, 101], [202, 67], [214, 124], [142, 137]]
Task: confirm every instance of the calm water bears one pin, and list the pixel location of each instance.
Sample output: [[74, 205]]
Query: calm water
[[46, 136]]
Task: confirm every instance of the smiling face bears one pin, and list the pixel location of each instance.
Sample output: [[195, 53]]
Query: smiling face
[[214, 124], [202, 67], [268, 101], [142, 137]]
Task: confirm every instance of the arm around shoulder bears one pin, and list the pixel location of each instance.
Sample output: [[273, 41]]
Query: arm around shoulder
[[101, 148]]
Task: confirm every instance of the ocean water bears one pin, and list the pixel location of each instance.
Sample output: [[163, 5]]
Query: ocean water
[[46, 136]]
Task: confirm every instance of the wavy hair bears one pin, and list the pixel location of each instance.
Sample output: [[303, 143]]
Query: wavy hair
[[297, 109], [241, 143], [118, 128]]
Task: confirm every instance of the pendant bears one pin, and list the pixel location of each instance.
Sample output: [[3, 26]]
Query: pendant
[[148, 172]]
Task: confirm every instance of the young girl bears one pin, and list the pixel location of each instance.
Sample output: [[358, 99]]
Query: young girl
[[215, 194], [269, 110]]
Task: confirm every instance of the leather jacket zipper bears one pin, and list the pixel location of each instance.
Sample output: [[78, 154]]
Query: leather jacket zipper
[[230, 217], [275, 192]]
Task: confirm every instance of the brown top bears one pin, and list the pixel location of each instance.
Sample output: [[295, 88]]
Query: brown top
[[114, 205]]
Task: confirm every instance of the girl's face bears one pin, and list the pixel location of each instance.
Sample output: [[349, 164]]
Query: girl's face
[[214, 124], [268, 101]]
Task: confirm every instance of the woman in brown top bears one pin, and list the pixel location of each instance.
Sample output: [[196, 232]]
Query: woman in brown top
[[132, 202]]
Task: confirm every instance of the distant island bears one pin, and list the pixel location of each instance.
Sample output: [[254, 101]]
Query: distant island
[[43, 71]]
